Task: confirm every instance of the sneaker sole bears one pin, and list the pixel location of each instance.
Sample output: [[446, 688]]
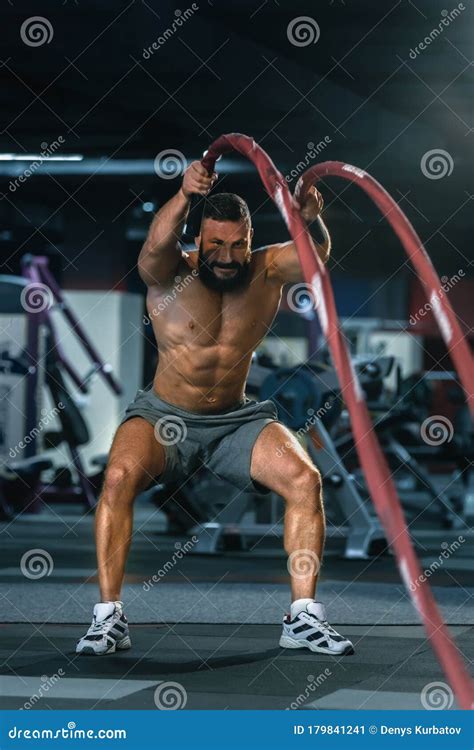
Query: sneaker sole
[[287, 642], [122, 645]]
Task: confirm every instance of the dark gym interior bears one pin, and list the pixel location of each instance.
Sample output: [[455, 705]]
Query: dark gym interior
[[97, 128]]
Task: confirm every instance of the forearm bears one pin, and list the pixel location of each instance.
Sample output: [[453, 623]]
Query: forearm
[[282, 260], [161, 252], [322, 239]]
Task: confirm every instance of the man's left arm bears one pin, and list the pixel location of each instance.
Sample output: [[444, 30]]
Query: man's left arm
[[282, 260]]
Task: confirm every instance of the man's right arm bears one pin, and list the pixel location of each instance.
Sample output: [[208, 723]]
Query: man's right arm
[[161, 253]]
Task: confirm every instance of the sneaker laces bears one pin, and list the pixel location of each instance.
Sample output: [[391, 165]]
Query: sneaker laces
[[323, 625], [99, 628]]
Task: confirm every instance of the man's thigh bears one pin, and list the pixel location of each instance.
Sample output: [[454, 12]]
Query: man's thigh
[[136, 451], [278, 459]]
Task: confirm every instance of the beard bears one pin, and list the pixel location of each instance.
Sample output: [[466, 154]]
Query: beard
[[239, 279]]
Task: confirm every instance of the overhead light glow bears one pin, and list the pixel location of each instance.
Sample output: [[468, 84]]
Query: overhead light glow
[[34, 157]]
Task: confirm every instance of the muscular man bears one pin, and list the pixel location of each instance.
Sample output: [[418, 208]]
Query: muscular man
[[210, 310]]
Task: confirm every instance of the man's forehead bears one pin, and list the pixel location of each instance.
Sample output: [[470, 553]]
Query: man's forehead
[[225, 228]]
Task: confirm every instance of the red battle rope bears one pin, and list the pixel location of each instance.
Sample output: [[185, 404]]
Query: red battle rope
[[443, 312], [372, 460]]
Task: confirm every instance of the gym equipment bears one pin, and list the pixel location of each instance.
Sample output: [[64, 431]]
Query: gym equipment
[[399, 426], [452, 454], [43, 361], [295, 394]]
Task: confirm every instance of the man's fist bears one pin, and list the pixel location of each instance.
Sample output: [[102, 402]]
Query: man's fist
[[312, 206], [196, 180]]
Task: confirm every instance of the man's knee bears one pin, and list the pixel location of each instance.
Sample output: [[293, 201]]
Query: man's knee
[[121, 474], [304, 486]]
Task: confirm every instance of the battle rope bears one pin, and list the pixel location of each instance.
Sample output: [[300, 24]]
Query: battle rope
[[374, 465], [443, 312]]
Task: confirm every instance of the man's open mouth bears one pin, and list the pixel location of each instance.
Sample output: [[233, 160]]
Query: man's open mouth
[[226, 271]]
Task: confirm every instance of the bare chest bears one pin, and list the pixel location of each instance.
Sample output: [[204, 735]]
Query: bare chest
[[189, 313]]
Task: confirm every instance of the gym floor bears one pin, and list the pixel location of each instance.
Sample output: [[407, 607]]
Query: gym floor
[[211, 624]]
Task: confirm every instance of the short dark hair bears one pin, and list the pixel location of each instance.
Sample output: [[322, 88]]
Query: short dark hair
[[226, 207]]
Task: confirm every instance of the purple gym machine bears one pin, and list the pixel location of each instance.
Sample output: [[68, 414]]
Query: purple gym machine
[[36, 293]]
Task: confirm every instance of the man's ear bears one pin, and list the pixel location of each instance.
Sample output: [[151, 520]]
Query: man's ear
[[197, 241]]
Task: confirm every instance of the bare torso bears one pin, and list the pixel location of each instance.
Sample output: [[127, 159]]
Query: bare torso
[[206, 338]]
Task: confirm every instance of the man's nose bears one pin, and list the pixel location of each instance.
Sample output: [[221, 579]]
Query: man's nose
[[225, 255]]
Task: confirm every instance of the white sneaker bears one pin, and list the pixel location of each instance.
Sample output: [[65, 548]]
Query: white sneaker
[[307, 627], [108, 632]]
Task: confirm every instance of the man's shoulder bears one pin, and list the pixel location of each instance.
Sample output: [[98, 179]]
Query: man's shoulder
[[264, 262], [262, 255]]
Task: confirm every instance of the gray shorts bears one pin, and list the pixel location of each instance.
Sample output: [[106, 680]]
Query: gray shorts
[[222, 442]]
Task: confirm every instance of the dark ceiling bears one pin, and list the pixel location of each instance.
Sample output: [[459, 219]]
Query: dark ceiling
[[232, 67]]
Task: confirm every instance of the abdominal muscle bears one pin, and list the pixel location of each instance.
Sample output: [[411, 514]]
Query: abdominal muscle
[[202, 381]]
